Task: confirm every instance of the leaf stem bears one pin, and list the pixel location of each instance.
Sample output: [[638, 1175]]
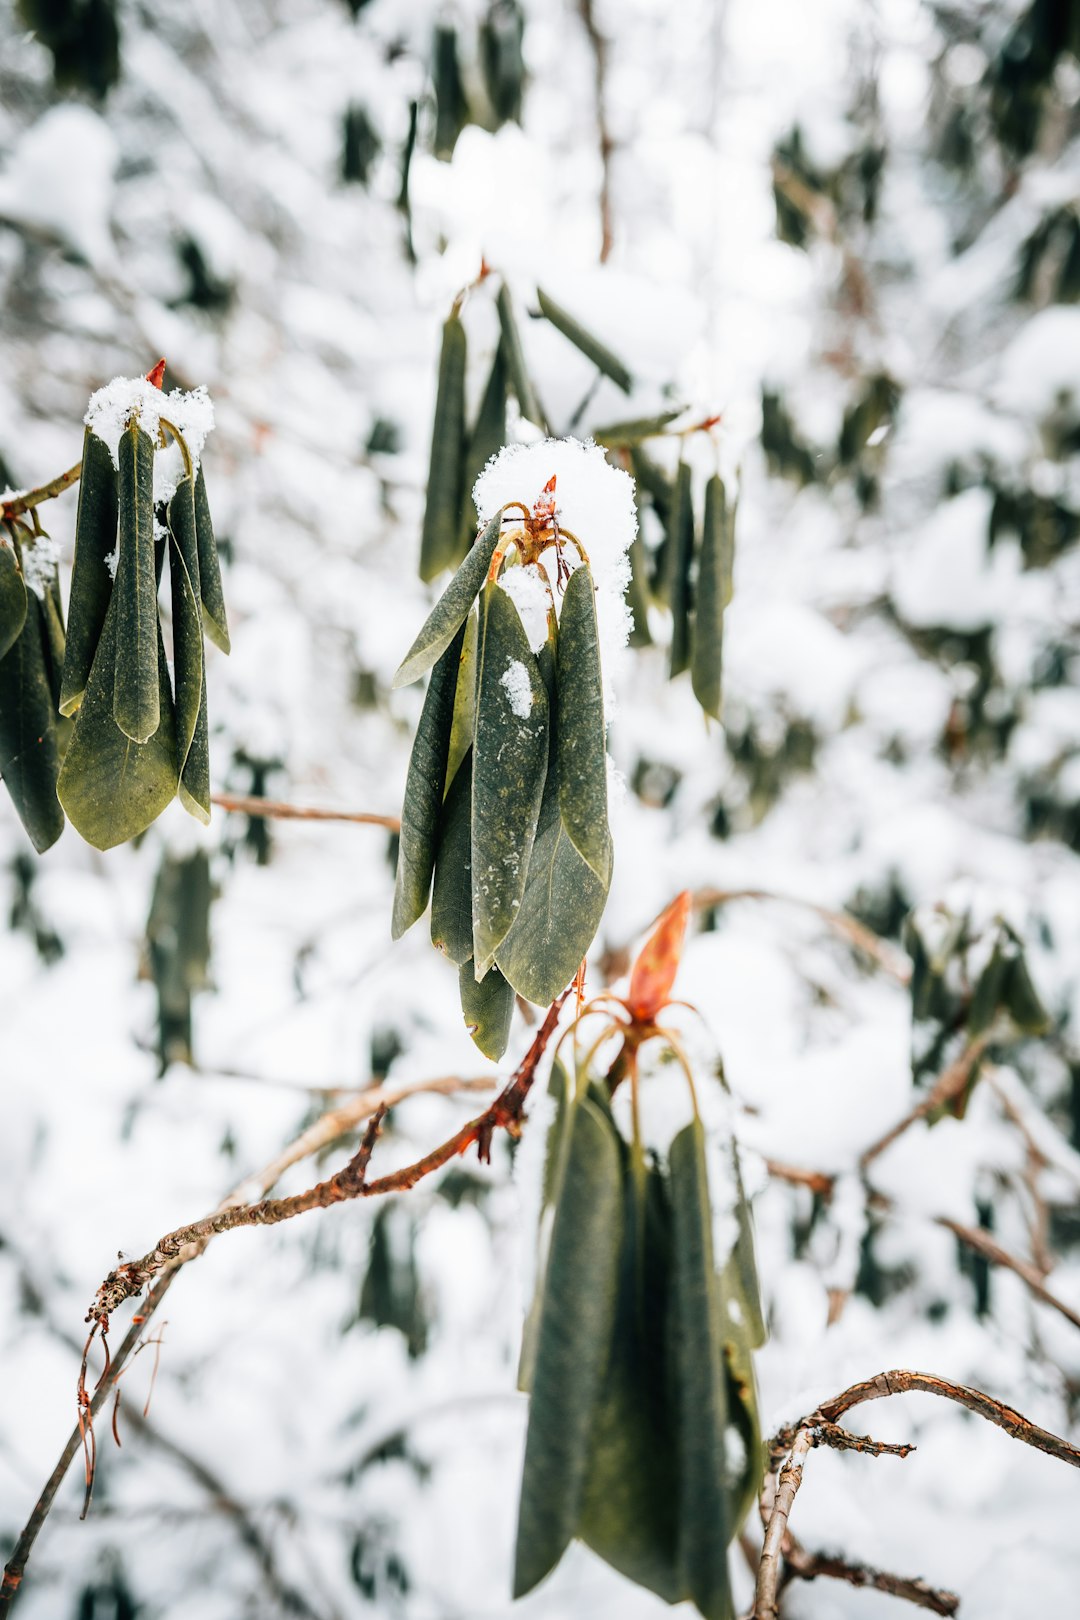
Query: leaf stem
[[44, 492]]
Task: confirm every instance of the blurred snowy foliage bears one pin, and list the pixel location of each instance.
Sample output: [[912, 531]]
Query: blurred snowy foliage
[[850, 230]]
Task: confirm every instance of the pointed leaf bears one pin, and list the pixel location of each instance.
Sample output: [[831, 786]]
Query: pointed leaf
[[579, 732], [452, 608], [678, 559], [451, 897], [574, 1345], [464, 723], [425, 785], [591, 347], [29, 758], [91, 580], [487, 1006], [52, 625], [637, 591], [215, 621], [136, 708], [704, 1509], [509, 766], [111, 787], [708, 632], [520, 381], [442, 510], [555, 1154], [12, 598], [628, 1513], [624, 434]]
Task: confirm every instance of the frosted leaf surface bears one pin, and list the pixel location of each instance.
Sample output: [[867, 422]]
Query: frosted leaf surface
[[192, 414]]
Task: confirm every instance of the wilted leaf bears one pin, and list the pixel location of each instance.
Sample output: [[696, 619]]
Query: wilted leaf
[[91, 581], [111, 787], [579, 732], [136, 706], [708, 634], [424, 789], [574, 1344], [28, 751], [442, 509], [452, 608], [704, 1508], [487, 1006], [215, 621], [520, 380], [678, 560], [451, 896], [12, 598], [658, 961], [509, 766], [591, 347]]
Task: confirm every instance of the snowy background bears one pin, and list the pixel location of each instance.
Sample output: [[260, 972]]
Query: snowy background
[[902, 728]]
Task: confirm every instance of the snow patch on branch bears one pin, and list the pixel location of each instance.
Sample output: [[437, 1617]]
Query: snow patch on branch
[[113, 407]]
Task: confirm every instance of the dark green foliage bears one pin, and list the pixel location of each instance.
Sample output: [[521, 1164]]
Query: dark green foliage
[[487, 1005], [1020, 77], [24, 916], [84, 39], [451, 103], [391, 1295], [678, 561], [29, 747], [711, 597], [12, 597], [501, 61], [786, 453], [486, 439], [360, 145], [136, 707], [91, 580], [215, 622], [514, 355], [178, 949], [583, 340], [424, 789], [205, 290], [442, 511]]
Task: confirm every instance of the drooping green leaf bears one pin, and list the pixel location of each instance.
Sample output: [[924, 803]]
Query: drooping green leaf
[[91, 581], [136, 708], [52, 625], [451, 103], [189, 662], [487, 1006], [442, 509], [464, 723], [624, 434], [520, 381], [629, 1509], [510, 757], [574, 1344], [989, 987], [637, 591], [111, 787], [425, 785], [486, 440], [1023, 1000], [704, 1508], [215, 620], [591, 347], [29, 757], [740, 1269], [12, 597], [450, 611], [746, 1459], [679, 558], [194, 788], [708, 633], [579, 732], [555, 1155], [451, 896]]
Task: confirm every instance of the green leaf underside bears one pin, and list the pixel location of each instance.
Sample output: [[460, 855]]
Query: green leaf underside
[[452, 608], [631, 1491], [635, 431], [29, 759], [136, 705], [486, 440], [111, 787], [679, 558], [442, 509], [579, 732], [520, 381], [555, 1148], [91, 581], [464, 722], [574, 1344], [509, 766], [451, 896], [12, 599], [189, 677], [704, 1510], [424, 788], [564, 899], [708, 632], [487, 1006], [215, 621], [591, 347]]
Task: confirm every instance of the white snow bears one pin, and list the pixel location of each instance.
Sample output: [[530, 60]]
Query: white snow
[[59, 181], [532, 596], [515, 682], [39, 562], [126, 399]]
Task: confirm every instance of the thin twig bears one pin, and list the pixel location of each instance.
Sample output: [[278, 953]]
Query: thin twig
[[276, 810], [766, 1598], [887, 956], [952, 1082], [607, 146], [45, 492], [809, 1566]]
